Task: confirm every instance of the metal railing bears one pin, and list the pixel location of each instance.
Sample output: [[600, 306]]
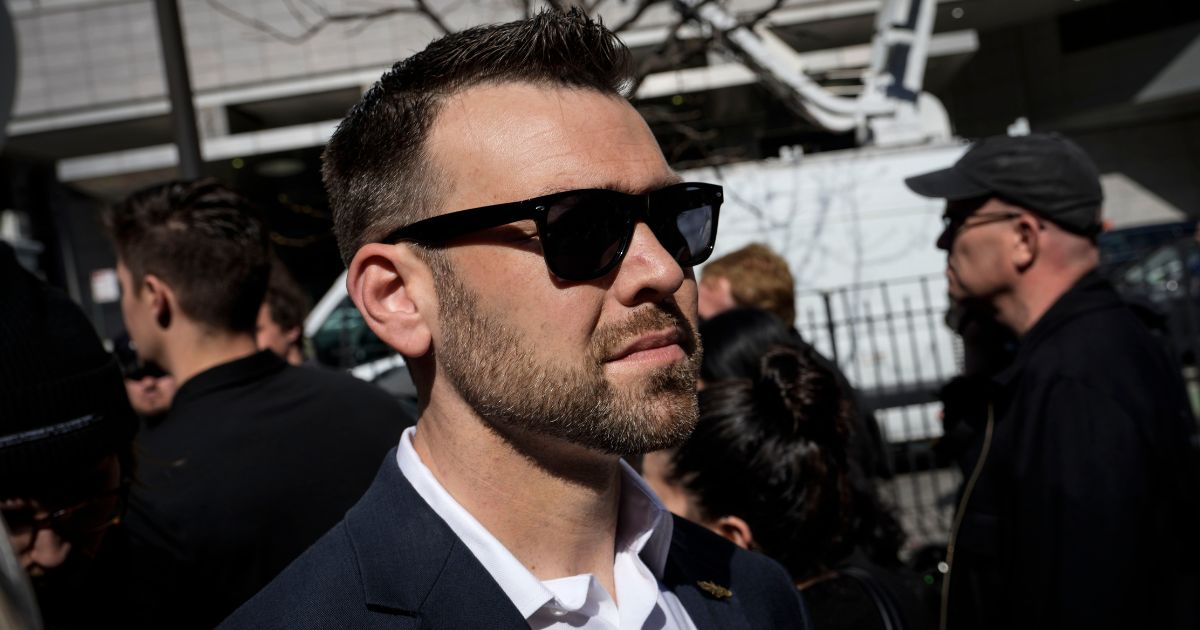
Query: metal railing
[[890, 340]]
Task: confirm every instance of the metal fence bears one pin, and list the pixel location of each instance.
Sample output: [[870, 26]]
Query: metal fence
[[890, 340]]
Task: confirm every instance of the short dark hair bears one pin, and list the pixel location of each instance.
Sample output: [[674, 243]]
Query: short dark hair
[[288, 303], [204, 240], [784, 435], [376, 169]]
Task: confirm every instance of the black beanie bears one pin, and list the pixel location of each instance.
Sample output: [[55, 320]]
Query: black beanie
[[62, 398]]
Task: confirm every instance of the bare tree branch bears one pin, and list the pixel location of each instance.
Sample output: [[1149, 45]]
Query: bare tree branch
[[296, 13], [317, 7], [432, 16], [360, 19], [764, 14], [668, 54], [641, 7]]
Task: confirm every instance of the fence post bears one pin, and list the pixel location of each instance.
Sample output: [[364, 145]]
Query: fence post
[[829, 326]]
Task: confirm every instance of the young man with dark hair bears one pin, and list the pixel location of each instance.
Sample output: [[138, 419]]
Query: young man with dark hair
[[548, 338], [256, 458]]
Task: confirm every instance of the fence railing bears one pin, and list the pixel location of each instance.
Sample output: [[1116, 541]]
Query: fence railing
[[890, 340]]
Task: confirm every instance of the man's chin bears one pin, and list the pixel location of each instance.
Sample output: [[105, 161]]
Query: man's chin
[[669, 418]]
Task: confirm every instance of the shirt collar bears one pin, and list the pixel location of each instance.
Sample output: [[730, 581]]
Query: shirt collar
[[643, 528], [645, 524], [251, 367]]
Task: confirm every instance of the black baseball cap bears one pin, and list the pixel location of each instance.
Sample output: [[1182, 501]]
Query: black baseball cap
[[1044, 173]]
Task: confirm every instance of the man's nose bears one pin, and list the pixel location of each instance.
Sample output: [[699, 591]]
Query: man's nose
[[946, 239], [48, 550], [649, 272]]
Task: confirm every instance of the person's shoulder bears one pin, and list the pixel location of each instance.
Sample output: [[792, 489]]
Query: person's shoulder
[[764, 588], [1101, 345], [335, 385], [320, 589]]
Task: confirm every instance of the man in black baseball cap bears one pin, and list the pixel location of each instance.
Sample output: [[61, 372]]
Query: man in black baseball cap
[[1046, 174], [1084, 487]]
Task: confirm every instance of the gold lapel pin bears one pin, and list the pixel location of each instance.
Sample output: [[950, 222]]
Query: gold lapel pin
[[715, 591]]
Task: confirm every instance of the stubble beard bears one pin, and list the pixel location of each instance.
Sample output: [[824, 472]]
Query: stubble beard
[[500, 377]]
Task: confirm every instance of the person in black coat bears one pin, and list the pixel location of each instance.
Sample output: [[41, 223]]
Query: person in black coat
[[1080, 509], [255, 459]]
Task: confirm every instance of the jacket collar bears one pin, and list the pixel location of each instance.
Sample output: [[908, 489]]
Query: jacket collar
[[411, 562], [1091, 293], [692, 563]]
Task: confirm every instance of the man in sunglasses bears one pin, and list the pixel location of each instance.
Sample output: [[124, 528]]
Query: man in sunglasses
[[1080, 511], [149, 387], [512, 228], [66, 445]]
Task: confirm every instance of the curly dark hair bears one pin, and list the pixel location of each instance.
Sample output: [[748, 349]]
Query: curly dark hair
[[376, 169], [204, 240], [772, 451]]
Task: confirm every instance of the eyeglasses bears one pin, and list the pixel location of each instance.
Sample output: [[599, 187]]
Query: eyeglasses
[[76, 522], [586, 233], [957, 225], [145, 369]]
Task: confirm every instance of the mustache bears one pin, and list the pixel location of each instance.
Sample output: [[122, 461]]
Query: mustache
[[609, 339]]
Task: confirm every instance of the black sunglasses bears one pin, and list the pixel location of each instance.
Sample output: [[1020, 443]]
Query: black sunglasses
[[75, 522], [585, 233], [953, 226]]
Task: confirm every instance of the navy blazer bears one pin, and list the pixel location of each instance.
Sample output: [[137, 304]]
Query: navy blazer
[[394, 563]]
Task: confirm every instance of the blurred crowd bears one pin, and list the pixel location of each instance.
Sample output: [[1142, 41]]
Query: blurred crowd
[[165, 478]]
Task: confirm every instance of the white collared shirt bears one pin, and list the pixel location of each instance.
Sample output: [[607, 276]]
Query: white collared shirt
[[578, 601]]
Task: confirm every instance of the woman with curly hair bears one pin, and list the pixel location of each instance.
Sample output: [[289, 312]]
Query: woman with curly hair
[[767, 468]]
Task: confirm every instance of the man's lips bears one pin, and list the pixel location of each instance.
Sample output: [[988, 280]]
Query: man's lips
[[666, 343]]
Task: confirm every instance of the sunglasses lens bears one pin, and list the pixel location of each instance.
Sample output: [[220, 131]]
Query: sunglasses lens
[[684, 220], [18, 520], [584, 234]]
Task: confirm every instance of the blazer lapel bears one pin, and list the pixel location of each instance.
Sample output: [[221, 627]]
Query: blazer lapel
[[687, 567], [412, 564]]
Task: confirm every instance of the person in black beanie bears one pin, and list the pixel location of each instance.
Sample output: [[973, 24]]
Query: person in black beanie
[[66, 432]]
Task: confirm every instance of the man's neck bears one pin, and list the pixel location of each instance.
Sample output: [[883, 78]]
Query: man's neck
[[191, 351], [1023, 308], [554, 506]]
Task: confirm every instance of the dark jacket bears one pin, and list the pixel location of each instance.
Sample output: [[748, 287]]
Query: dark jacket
[[393, 563], [1081, 512], [255, 461]]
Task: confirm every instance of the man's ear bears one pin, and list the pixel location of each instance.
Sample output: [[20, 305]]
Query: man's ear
[[735, 530], [393, 289], [160, 298], [1026, 241]]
